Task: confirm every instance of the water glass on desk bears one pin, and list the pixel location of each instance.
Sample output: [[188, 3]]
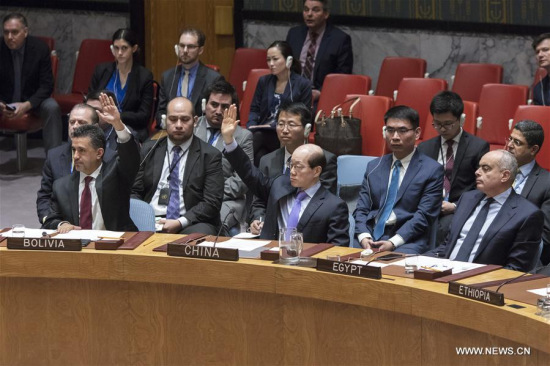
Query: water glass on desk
[[290, 246]]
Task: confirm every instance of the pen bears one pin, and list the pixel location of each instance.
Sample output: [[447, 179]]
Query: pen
[[109, 238], [430, 268]]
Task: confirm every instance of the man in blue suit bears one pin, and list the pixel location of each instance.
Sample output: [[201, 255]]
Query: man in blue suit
[[400, 196], [494, 224]]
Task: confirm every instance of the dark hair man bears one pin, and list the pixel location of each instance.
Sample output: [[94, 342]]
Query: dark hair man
[[541, 91]]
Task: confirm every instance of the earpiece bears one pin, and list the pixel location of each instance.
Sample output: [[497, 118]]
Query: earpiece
[[462, 119], [307, 130], [289, 60], [203, 104], [113, 50], [384, 132], [163, 121], [177, 49]]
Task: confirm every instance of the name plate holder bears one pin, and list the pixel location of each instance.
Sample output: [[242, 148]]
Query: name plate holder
[[45, 243], [350, 269], [476, 293], [202, 252]]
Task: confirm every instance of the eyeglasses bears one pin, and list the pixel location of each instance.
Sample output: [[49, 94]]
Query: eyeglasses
[[190, 47], [445, 125], [516, 142], [297, 167], [290, 126], [400, 131]]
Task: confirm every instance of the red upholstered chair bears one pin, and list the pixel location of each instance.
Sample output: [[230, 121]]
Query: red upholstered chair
[[394, 69], [497, 105], [252, 80], [371, 110], [91, 53], [469, 78], [213, 67], [541, 115], [471, 111], [244, 60], [151, 126], [418, 93]]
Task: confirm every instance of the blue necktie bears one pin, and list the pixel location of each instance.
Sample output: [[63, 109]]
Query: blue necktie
[[173, 209], [214, 132], [294, 215], [390, 201], [471, 238]]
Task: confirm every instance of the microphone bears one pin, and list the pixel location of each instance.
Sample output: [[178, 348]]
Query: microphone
[[231, 211], [518, 277], [150, 151]]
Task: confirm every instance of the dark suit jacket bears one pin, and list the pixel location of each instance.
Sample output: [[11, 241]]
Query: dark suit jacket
[[113, 186], [202, 180], [335, 54], [169, 87], [537, 190], [36, 73], [417, 205], [542, 90], [325, 219], [511, 241], [271, 165], [468, 154], [263, 96]]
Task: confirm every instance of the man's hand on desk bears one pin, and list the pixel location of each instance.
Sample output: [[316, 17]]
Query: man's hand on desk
[[66, 227], [366, 243], [170, 226], [256, 227], [383, 245]]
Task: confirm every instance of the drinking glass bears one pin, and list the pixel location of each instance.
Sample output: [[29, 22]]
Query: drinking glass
[[290, 246]]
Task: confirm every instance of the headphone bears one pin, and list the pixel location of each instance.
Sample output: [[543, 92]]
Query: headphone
[[307, 130], [462, 119], [177, 49], [112, 50], [289, 61], [384, 132]]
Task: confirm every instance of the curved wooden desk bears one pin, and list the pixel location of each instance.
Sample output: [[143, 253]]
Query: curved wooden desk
[[142, 307]]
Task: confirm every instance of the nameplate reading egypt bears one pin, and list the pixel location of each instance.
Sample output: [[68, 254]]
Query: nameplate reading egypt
[[350, 269]]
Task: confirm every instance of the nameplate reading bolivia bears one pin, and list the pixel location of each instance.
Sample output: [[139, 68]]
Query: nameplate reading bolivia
[[476, 293], [45, 244], [202, 252], [349, 269]]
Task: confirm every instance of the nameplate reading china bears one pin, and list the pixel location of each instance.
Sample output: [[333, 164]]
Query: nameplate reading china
[[202, 252], [45, 243], [476, 293], [349, 269]]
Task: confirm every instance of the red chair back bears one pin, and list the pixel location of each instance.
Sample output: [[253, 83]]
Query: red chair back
[[471, 111], [394, 69], [251, 82], [213, 67], [151, 126], [337, 86], [91, 53], [244, 60], [55, 63], [470, 78], [541, 115]]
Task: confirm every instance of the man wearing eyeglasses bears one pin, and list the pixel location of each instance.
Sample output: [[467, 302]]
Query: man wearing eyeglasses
[[295, 200], [190, 78], [532, 181], [456, 150], [400, 196]]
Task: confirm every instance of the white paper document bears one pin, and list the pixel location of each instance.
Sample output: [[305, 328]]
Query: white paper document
[[539, 291], [246, 245], [92, 235], [29, 233], [246, 236], [441, 264], [372, 264]]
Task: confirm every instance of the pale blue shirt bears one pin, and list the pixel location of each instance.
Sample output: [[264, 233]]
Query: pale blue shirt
[[191, 83], [286, 203], [522, 176]]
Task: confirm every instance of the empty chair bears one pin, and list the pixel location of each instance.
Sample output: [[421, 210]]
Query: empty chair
[[470, 78], [142, 214], [471, 111], [394, 69], [541, 115], [91, 53], [497, 105], [370, 110], [252, 80], [244, 60]]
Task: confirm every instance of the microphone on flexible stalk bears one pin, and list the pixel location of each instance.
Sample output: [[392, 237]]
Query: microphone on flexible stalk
[[231, 211]]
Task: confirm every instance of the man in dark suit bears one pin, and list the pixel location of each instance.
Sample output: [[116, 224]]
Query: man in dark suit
[[541, 91], [181, 176], [191, 77], [219, 96], [494, 225], [26, 79], [532, 181], [400, 197], [296, 200], [321, 48], [97, 194], [458, 151], [293, 127]]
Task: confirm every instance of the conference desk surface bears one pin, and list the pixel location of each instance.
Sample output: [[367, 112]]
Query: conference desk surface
[[136, 307]]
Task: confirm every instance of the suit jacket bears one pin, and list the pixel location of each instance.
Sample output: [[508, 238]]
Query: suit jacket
[[113, 186], [234, 190], [271, 165], [468, 154], [36, 73], [137, 105], [57, 165], [325, 219], [511, 241], [335, 54], [541, 92], [263, 96], [202, 180], [169, 87], [537, 190], [417, 205]]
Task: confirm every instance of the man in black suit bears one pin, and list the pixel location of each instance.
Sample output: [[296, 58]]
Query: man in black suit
[[321, 48], [493, 224], [26, 79], [541, 91], [532, 181], [97, 194], [293, 126], [296, 200], [190, 77], [181, 176], [457, 150]]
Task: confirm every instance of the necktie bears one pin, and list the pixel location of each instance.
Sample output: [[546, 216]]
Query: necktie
[[471, 238], [310, 56], [294, 215], [173, 209], [390, 201], [449, 164], [86, 205], [287, 166], [185, 84], [214, 133], [17, 64]]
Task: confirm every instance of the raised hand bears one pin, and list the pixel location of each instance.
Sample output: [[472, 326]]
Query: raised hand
[[110, 113], [229, 123]]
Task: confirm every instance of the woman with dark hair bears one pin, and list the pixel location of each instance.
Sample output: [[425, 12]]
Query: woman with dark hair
[[131, 83], [284, 84]]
